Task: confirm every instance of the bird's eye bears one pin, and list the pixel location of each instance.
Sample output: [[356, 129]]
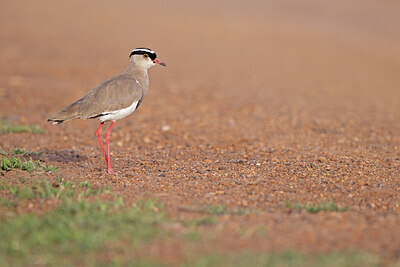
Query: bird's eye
[[146, 55]]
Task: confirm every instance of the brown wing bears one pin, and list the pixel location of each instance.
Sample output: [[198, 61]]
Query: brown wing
[[114, 94]]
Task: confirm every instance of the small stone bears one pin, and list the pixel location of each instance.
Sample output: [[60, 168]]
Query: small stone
[[165, 128]]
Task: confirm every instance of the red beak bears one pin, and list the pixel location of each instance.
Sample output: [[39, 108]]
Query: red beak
[[159, 62]]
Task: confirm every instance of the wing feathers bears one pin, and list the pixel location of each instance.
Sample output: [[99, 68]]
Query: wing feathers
[[114, 94]]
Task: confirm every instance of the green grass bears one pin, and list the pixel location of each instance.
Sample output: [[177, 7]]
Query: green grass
[[22, 152], [209, 220], [288, 258], [8, 203], [219, 209], [78, 232], [8, 127], [93, 233], [45, 189], [11, 163], [329, 206]]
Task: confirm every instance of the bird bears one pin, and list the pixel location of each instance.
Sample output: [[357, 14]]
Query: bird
[[115, 98]]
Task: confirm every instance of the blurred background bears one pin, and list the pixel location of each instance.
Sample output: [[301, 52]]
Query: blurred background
[[241, 69]]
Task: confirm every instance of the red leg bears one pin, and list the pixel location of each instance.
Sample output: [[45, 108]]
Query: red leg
[[110, 170], [101, 141]]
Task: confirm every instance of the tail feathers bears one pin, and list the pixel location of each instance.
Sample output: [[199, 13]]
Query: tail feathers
[[68, 113], [55, 122]]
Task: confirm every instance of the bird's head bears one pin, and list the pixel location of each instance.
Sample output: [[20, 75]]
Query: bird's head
[[144, 58]]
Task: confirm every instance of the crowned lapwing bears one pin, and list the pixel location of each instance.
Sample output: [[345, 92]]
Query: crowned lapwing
[[115, 98]]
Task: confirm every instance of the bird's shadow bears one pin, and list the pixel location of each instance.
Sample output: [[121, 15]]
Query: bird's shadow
[[64, 156]]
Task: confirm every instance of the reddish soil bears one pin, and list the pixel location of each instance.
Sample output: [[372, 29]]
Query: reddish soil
[[260, 104]]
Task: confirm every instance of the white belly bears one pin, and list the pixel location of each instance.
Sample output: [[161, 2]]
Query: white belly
[[119, 114]]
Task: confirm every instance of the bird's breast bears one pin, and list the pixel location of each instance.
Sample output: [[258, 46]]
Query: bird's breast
[[119, 114]]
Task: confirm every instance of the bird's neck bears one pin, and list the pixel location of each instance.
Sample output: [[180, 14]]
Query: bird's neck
[[140, 75]]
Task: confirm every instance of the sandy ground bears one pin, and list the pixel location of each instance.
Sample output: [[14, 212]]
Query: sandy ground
[[261, 104]]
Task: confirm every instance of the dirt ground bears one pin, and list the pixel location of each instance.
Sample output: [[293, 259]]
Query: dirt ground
[[261, 104]]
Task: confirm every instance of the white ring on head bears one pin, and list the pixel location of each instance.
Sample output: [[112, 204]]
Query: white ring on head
[[143, 50]]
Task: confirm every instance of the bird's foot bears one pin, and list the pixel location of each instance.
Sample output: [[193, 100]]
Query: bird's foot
[[111, 171]]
